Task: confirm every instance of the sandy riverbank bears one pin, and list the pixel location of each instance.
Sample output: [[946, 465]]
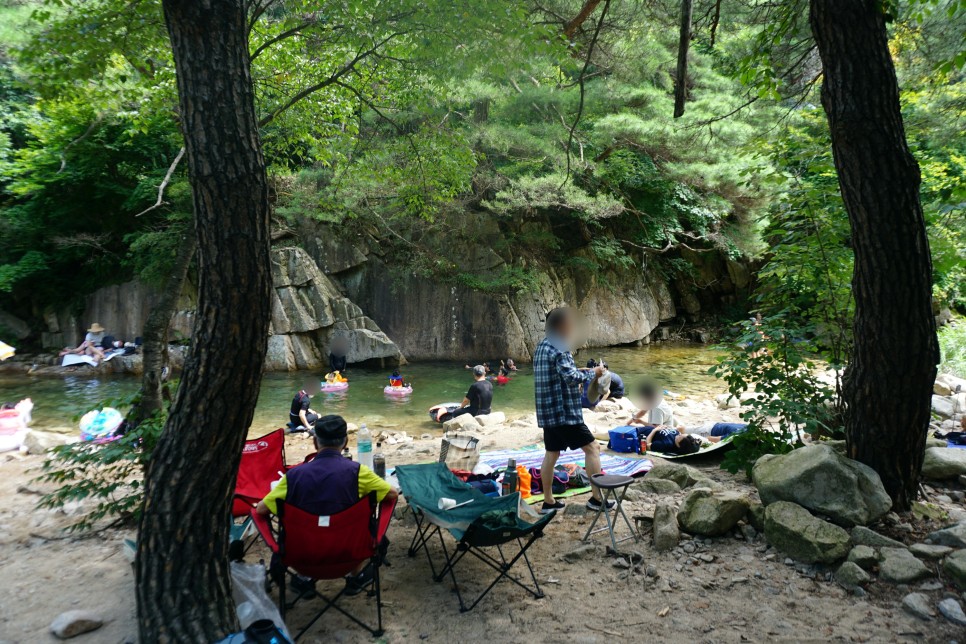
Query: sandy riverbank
[[737, 590]]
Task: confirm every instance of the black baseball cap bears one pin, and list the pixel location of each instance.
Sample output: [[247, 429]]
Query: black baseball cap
[[331, 428]]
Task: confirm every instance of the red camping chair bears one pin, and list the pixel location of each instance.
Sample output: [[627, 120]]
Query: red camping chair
[[262, 463], [328, 547]]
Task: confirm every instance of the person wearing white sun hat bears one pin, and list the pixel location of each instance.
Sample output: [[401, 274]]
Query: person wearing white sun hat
[[91, 346]]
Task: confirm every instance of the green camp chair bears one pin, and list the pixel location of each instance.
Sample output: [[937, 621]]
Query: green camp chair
[[478, 523]]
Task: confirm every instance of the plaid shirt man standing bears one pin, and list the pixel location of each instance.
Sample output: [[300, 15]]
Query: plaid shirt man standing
[[557, 387]]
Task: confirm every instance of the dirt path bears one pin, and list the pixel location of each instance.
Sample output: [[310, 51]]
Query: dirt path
[[746, 594]]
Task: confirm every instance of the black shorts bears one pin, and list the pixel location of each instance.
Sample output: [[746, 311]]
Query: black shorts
[[564, 437]]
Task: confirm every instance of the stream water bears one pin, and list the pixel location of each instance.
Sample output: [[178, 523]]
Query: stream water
[[682, 368]]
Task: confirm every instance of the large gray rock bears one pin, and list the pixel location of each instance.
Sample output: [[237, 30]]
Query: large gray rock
[[492, 419], [941, 389], [850, 575], [818, 478], [953, 611], [756, 516], [943, 463], [75, 622], [955, 384], [899, 566], [943, 407], [464, 423], [929, 552], [309, 311], [41, 442], [955, 568], [292, 352], [331, 251], [867, 537], [918, 605], [711, 513], [794, 531], [864, 557], [17, 328], [656, 486], [953, 536], [683, 475], [666, 533]]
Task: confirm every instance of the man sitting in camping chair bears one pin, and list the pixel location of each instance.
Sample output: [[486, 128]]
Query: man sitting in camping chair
[[327, 485]]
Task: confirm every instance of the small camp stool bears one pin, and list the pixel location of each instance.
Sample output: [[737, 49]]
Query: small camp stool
[[611, 486]]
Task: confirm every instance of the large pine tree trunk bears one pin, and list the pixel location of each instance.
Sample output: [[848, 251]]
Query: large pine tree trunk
[[155, 347], [888, 384], [183, 582]]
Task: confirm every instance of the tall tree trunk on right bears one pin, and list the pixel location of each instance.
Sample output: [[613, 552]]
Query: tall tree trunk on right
[[888, 385], [681, 74], [182, 573], [155, 348]]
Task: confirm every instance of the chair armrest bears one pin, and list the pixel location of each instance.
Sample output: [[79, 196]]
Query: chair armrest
[[386, 509], [264, 526]]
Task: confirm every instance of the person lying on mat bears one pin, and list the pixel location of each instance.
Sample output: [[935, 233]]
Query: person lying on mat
[[326, 485], [557, 384], [654, 409], [671, 441], [717, 432], [301, 414]]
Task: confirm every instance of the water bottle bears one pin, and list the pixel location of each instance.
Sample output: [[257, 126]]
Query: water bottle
[[379, 462], [364, 444], [510, 480]]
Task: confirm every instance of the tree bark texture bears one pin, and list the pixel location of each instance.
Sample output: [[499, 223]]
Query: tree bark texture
[[571, 27], [681, 74], [182, 574], [888, 385], [155, 347]]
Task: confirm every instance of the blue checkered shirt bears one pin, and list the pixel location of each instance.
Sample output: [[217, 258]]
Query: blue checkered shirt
[[557, 384]]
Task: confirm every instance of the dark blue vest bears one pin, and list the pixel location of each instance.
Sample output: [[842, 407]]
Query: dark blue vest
[[326, 485]]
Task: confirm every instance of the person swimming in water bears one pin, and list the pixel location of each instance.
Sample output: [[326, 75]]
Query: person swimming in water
[[396, 380]]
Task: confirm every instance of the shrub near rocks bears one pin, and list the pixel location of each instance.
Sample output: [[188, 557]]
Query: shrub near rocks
[[820, 479], [794, 531]]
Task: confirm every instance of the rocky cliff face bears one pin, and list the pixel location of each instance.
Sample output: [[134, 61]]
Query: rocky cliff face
[[429, 320], [437, 319], [329, 287], [309, 312]]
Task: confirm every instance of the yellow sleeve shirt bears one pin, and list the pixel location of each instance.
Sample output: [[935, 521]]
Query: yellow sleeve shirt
[[368, 483]]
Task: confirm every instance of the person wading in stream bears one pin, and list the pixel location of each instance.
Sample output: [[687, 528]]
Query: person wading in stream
[[558, 384]]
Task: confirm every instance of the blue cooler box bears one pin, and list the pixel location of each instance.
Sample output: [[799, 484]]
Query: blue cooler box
[[624, 439]]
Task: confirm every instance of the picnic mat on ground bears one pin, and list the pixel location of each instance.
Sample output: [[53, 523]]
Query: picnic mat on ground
[[532, 456]]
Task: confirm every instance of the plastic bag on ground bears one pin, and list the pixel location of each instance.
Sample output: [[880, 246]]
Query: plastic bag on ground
[[251, 600]]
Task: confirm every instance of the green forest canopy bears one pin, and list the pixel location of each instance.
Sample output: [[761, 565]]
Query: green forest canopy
[[396, 117]]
